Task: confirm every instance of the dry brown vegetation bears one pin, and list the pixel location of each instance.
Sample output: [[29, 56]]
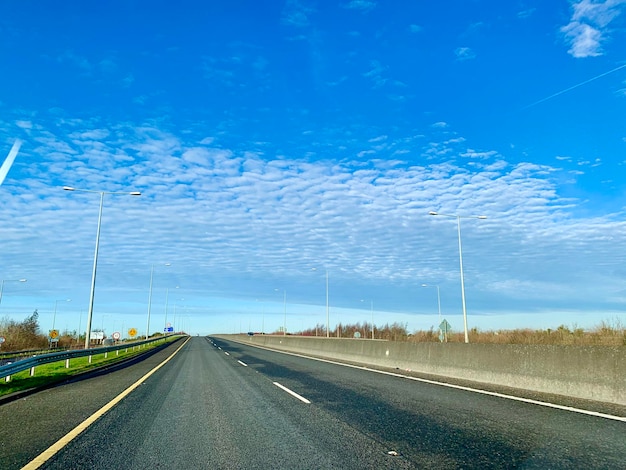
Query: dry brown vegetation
[[605, 334], [22, 335], [27, 335]]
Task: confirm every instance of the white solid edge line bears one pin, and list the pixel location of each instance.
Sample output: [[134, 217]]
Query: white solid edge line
[[458, 387], [57, 446], [243, 363], [292, 393]]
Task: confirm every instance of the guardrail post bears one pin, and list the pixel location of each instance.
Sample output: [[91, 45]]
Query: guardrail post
[[90, 359], [7, 378], [117, 352], [32, 371], [67, 363], [106, 354]]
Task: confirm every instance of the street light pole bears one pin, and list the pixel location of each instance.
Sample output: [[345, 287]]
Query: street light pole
[[149, 301], [92, 291], [102, 322], [327, 305], [54, 317], [372, 313], [458, 225], [285, 312], [458, 222], [8, 280], [438, 300], [150, 298], [327, 309], [176, 314], [167, 292], [95, 256]]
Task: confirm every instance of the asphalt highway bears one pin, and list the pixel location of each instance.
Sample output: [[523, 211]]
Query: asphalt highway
[[225, 405]]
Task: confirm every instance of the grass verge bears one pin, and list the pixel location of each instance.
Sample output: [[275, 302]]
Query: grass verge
[[55, 372]]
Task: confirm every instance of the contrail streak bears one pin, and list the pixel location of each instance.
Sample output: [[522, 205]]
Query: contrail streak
[[6, 166], [575, 86]]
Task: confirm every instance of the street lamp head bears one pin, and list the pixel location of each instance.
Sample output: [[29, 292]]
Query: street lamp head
[[22, 280], [424, 285], [482, 217], [71, 188], [433, 213]]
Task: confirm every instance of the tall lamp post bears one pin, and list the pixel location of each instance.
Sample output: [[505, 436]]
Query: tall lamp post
[[150, 298], [8, 280], [175, 313], [327, 309], [327, 306], [458, 223], [438, 300], [56, 302], [372, 312], [167, 293], [262, 316], [95, 256], [284, 311]]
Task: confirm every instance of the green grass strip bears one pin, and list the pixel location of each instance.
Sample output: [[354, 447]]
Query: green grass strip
[[56, 371]]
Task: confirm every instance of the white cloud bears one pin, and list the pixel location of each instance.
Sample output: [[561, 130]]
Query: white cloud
[[588, 28], [234, 222], [76, 60], [584, 40], [526, 13], [296, 13], [197, 155], [361, 5], [464, 53], [376, 73], [470, 153]]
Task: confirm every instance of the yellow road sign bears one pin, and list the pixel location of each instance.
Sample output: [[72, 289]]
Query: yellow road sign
[[132, 332], [54, 334]]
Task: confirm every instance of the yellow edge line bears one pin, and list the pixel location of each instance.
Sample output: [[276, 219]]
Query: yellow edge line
[[57, 446]]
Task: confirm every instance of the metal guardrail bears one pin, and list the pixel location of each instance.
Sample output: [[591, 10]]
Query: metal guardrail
[[8, 355], [38, 360]]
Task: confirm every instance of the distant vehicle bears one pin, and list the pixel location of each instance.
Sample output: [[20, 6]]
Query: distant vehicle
[[250, 333]]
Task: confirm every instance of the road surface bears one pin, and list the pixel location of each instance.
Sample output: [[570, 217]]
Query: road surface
[[224, 405]]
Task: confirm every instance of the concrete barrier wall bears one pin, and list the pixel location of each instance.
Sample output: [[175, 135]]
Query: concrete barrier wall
[[588, 372]]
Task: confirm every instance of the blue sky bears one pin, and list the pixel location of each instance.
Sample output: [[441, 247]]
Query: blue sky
[[271, 138]]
